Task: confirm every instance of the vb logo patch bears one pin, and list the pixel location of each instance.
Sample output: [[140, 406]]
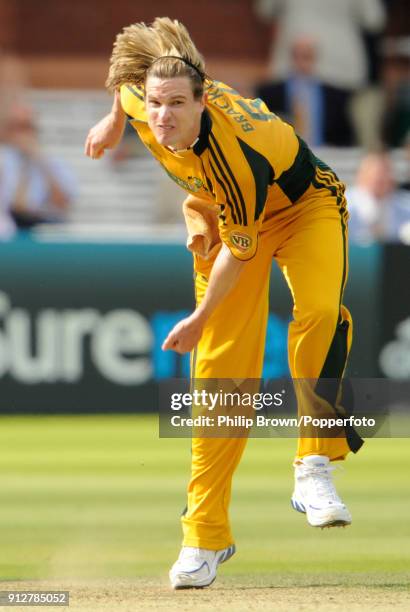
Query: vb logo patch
[[242, 242]]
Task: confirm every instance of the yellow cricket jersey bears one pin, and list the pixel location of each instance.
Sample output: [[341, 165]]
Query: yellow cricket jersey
[[247, 163]]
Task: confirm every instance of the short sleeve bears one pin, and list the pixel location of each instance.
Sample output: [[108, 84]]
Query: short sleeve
[[132, 102], [241, 241]]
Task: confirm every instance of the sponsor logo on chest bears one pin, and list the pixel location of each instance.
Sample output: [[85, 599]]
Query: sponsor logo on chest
[[193, 183]]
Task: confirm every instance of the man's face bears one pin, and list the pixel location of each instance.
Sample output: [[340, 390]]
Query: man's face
[[174, 115], [304, 56]]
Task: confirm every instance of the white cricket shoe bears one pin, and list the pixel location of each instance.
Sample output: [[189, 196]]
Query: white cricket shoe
[[196, 568], [315, 494]]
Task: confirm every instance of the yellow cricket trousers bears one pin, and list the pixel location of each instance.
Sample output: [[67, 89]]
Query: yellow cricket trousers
[[309, 243]]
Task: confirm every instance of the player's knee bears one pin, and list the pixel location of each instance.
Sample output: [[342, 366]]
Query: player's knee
[[327, 314], [320, 313]]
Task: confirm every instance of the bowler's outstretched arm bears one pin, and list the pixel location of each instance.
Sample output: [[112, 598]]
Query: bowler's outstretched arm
[[223, 278], [107, 133]]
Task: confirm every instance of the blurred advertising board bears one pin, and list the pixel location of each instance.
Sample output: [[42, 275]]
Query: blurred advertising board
[[81, 324], [394, 355]]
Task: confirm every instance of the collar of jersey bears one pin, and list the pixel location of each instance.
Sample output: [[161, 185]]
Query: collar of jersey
[[191, 146], [203, 138]]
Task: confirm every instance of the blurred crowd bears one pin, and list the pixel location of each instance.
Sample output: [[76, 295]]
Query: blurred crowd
[[34, 186], [338, 71]]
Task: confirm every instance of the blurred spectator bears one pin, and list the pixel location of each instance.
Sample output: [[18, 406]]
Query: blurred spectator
[[406, 182], [338, 27], [318, 112], [7, 225], [379, 210], [13, 84], [33, 187], [396, 124]]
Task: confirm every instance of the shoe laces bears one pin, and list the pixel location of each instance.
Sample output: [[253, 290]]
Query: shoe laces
[[321, 478], [192, 553], [188, 552]]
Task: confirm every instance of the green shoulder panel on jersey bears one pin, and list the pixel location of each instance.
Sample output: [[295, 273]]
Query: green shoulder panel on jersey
[[300, 175], [263, 174]]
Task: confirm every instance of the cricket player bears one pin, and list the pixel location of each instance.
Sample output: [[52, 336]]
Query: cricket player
[[260, 193]]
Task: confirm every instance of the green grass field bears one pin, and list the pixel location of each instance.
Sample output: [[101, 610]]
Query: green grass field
[[99, 497]]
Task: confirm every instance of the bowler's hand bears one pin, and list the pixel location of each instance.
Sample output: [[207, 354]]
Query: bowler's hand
[[106, 134], [184, 336]]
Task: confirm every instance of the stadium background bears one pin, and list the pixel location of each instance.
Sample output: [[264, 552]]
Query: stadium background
[[84, 308]]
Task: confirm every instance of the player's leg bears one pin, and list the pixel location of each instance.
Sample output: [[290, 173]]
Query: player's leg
[[313, 259], [231, 347]]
